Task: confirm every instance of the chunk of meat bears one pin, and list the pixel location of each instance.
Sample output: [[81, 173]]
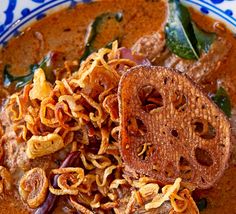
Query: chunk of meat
[[152, 46], [170, 128], [15, 158], [14, 151]]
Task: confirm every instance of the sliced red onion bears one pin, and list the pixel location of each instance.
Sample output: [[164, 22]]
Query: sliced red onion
[[126, 53]]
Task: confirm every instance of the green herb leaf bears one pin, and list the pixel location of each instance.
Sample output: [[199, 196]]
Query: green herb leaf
[[184, 38], [24, 80], [221, 99], [7, 77], [96, 28], [204, 39], [179, 32], [20, 80]]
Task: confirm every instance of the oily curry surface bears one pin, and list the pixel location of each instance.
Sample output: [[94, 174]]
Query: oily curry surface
[[65, 32]]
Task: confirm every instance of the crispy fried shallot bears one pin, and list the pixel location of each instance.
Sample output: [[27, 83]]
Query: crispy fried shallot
[[5, 180], [183, 203], [79, 207], [41, 87], [33, 187], [167, 190], [38, 146], [68, 180]]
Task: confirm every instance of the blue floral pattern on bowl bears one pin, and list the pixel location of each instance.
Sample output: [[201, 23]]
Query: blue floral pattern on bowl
[[223, 10], [15, 15]]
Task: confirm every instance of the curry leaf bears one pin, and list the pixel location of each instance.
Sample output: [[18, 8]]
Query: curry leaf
[[21, 81], [95, 30], [184, 38], [24, 80], [7, 77], [179, 32], [204, 39], [221, 98]]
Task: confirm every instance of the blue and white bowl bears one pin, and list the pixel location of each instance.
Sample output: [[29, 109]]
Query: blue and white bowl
[[15, 15]]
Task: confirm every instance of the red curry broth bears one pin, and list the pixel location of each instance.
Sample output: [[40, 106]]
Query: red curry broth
[[65, 32]]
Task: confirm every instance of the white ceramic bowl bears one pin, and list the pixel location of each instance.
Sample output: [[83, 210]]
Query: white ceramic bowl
[[15, 15]]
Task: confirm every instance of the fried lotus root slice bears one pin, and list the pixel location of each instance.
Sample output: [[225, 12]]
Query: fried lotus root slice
[[170, 128], [33, 187]]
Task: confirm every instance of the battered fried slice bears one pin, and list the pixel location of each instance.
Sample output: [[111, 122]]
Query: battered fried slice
[[170, 128]]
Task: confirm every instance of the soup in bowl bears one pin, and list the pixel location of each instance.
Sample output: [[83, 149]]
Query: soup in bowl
[[118, 107]]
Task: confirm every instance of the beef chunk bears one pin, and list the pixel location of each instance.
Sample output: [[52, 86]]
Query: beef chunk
[[152, 47]]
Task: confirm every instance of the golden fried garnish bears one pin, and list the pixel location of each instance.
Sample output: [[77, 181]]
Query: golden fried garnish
[[80, 208], [183, 203], [82, 110], [167, 191], [41, 88], [5, 180], [38, 146], [107, 172], [33, 187], [148, 191], [110, 104], [14, 108], [68, 180]]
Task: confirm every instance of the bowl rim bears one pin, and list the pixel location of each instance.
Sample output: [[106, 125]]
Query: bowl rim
[[18, 26]]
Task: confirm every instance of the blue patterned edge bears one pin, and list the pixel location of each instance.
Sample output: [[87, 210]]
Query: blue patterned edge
[[53, 5], [215, 10]]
